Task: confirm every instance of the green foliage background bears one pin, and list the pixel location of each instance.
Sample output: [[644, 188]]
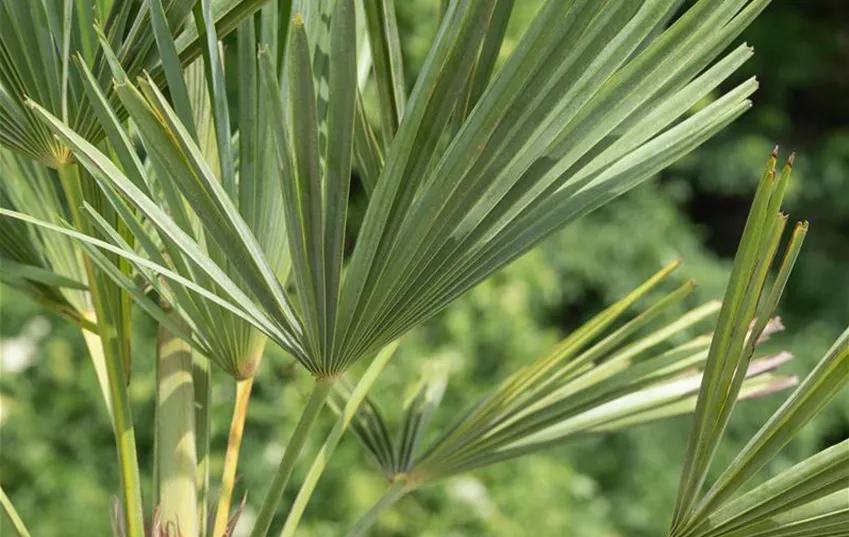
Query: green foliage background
[[56, 457]]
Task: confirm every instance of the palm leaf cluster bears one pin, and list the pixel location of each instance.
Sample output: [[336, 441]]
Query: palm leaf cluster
[[186, 165], [594, 381], [598, 380], [222, 211], [40, 43], [465, 187], [808, 499]]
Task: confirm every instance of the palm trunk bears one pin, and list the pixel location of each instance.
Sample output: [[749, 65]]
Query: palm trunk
[[175, 489]]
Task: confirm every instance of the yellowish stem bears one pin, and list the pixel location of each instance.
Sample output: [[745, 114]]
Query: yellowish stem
[[231, 458]]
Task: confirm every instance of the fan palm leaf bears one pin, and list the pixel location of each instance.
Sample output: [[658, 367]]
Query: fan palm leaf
[[598, 380], [608, 116]]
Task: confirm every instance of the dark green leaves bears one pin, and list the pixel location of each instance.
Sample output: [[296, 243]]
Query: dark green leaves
[[388, 64]]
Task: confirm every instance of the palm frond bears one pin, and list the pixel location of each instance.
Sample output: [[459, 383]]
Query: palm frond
[[810, 496], [605, 95], [230, 341], [591, 383], [746, 302]]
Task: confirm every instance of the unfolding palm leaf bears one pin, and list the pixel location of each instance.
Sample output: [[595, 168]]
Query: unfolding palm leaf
[[765, 510], [597, 380]]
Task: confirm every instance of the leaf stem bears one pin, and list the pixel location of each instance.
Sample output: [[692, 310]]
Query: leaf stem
[[12, 515], [394, 493], [116, 369], [323, 456], [202, 376], [98, 361], [320, 391], [231, 458]]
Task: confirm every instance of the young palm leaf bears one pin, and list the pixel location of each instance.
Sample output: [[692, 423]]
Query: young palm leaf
[[805, 500], [591, 383], [746, 303]]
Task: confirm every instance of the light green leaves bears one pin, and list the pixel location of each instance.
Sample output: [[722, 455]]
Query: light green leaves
[[478, 164], [743, 318], [596, 380]]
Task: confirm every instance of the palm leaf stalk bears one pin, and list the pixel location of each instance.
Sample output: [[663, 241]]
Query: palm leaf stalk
[[12, 515], [594, 100], [598, 380], [807, 499], [347, 413]]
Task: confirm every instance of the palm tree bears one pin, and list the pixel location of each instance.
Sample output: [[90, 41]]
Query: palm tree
[[237, 216]]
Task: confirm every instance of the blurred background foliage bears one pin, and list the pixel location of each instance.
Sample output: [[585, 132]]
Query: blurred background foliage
[[56, 454]]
